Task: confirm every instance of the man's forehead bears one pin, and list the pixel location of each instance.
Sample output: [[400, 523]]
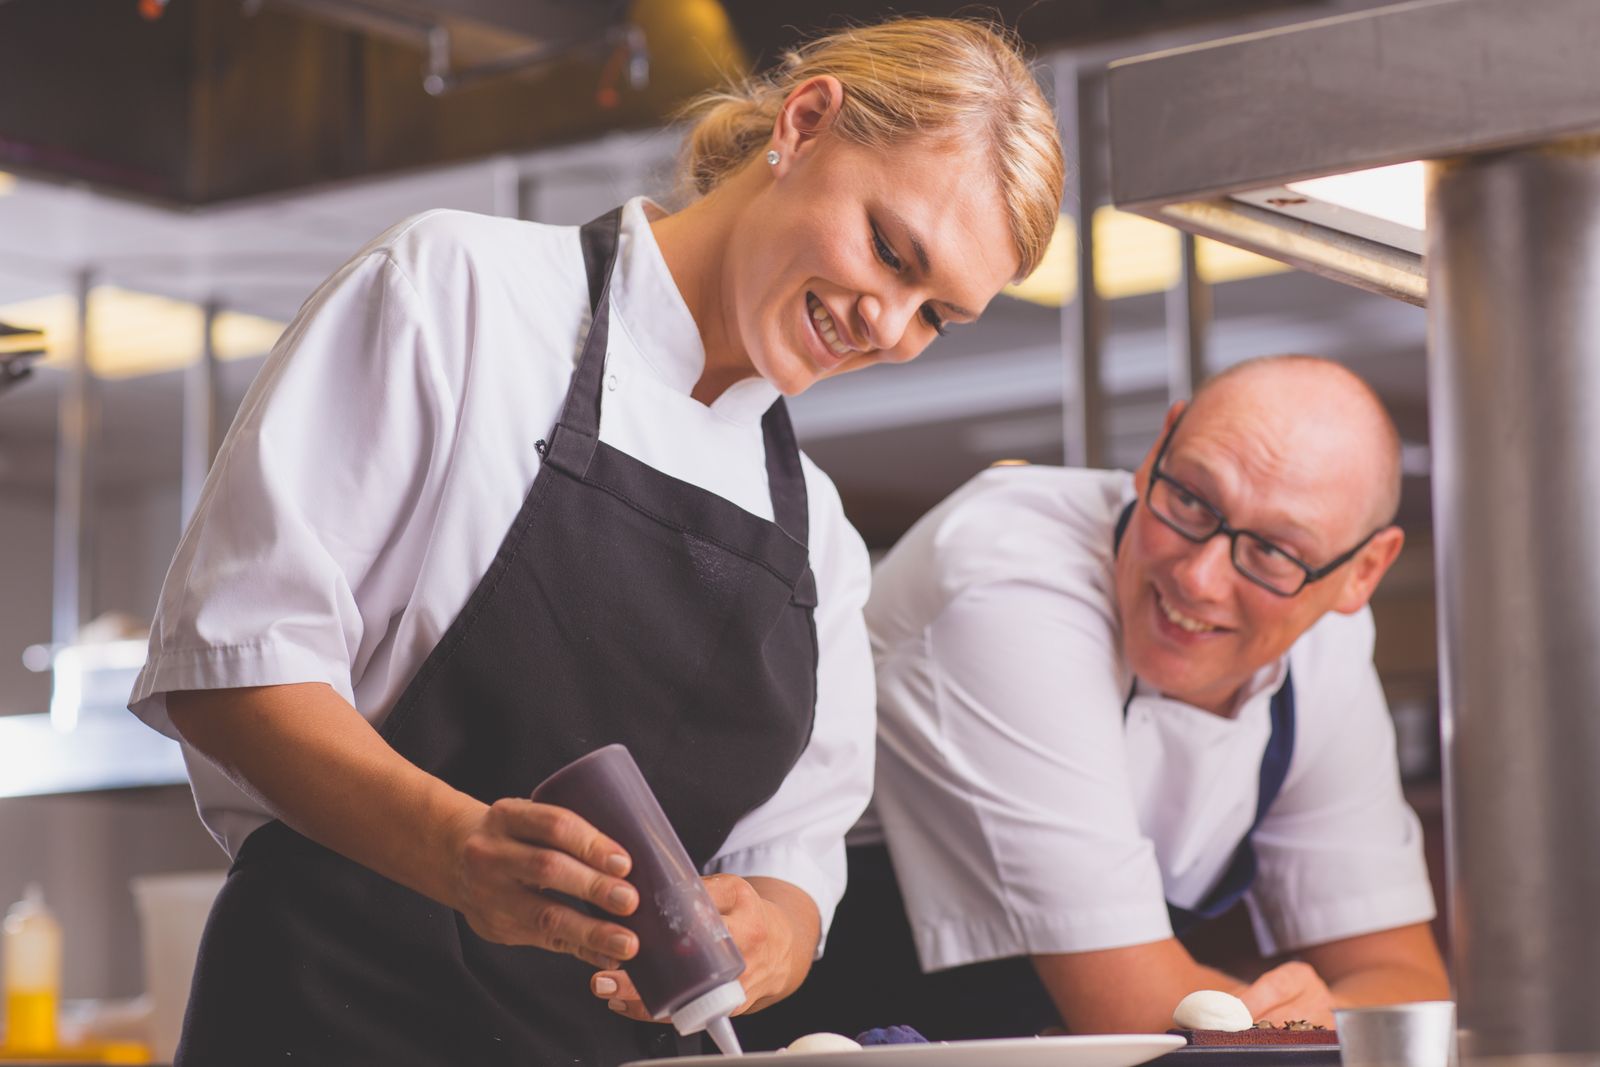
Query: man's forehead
[[1272, 474]]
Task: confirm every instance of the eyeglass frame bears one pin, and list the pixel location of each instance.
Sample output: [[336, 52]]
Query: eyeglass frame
[[1310, 573]]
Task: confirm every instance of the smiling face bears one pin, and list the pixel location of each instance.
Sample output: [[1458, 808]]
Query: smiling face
[[1192, 625], [849, 256]]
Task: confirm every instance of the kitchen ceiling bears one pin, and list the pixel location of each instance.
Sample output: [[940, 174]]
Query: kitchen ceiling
[[211, 100]]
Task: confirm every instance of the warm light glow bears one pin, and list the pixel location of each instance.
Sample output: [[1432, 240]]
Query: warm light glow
[[8, 182], [692, 44], [1395, 194], [1219, 262], [1133, 256], [1055, 280], [133, 333]]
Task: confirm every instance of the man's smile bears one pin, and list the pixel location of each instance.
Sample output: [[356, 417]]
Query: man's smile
[[1187, 623]]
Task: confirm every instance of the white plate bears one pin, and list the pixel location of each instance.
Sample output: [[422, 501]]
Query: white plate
[[1091, 1050]]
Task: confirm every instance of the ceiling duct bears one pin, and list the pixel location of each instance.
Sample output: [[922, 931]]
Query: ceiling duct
[[199, 101], [469, 41], [212, 100]]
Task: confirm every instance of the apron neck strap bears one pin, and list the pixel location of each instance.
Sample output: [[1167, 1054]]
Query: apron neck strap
[[580, 415], [1116, 544], [786, 478]]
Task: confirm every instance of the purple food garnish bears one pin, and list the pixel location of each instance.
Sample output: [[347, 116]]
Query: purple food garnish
[[891, 1035]]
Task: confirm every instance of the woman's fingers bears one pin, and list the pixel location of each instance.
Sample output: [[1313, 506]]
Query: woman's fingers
[[519, 863], [554, 849], [562, 929], [546, 869], [517, 916], [617, 990], [564, 830]]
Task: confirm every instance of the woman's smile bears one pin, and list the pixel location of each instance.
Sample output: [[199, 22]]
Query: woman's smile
[[827, 327], [828, 349]]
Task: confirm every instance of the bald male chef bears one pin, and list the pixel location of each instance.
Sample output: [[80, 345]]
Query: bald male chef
[[1112, 706]]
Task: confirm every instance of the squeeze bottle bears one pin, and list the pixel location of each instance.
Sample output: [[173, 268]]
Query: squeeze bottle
[[32, 960], [687, 968]]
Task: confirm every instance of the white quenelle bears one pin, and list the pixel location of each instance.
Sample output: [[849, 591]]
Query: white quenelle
[[1211, 1009], [822, 1043]]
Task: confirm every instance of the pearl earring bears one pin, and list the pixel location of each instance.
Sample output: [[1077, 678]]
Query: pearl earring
[[773, 157]]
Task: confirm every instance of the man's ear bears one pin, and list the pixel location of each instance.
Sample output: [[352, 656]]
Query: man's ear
[[1368, 569], [1141, 477], [808, 112]]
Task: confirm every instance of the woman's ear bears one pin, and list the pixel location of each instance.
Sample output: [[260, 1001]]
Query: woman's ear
[[808, 112]]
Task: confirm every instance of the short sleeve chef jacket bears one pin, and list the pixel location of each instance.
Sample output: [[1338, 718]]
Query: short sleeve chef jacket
[[383, 452], [1026, 816]]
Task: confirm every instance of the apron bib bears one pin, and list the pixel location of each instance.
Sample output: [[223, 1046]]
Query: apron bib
[[623, 605]]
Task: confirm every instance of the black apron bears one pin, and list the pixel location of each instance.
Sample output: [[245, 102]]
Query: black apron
[[870, 975], [623, 605]]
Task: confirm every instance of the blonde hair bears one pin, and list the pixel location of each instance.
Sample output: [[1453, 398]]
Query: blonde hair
[[902, 78]]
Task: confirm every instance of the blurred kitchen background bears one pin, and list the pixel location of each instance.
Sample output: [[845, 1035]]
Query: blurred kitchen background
[[176, 177]]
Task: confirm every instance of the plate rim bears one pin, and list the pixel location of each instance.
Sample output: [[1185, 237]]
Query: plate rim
[[1156, 1042]]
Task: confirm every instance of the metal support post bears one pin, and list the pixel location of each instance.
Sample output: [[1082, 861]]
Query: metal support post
[[74, 485], [1514, 366], [1188, 324], [1080, 107], [201, 403], [73, 560]]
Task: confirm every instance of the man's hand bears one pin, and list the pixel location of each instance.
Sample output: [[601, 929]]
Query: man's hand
[[1130, 990], [773, 923], [515, 852], [1387, 967], [1290, 991]]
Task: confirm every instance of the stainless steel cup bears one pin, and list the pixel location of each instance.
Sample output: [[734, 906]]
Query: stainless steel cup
[[1422, 1034]]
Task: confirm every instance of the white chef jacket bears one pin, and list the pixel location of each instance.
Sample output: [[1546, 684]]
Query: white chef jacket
[[1026, 816], [387, 444]]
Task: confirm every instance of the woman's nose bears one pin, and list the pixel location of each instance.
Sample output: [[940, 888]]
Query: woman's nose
[[883, 320]]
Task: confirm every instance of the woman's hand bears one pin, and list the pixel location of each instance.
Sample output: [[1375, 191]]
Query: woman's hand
[[515, 852], [773, 923]]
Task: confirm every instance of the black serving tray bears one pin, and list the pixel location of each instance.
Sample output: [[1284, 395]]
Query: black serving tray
[[1251, 1056]]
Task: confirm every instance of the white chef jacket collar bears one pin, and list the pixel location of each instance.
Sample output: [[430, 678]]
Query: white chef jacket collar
[[1253, 700], [647, 301]]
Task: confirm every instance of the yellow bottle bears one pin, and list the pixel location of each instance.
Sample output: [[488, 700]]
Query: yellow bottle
[[31, 956]]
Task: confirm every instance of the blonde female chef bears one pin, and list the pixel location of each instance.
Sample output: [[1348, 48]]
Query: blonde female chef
[[505, 493]]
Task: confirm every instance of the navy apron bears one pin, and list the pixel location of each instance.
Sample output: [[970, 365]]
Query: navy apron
[[623, 605], [870, 975]]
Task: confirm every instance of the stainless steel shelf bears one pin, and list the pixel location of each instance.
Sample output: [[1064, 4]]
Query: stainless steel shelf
[[1422, 80], [1193, 130]]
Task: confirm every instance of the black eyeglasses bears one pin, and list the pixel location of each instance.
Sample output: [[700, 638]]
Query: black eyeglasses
[[1196, 519]]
